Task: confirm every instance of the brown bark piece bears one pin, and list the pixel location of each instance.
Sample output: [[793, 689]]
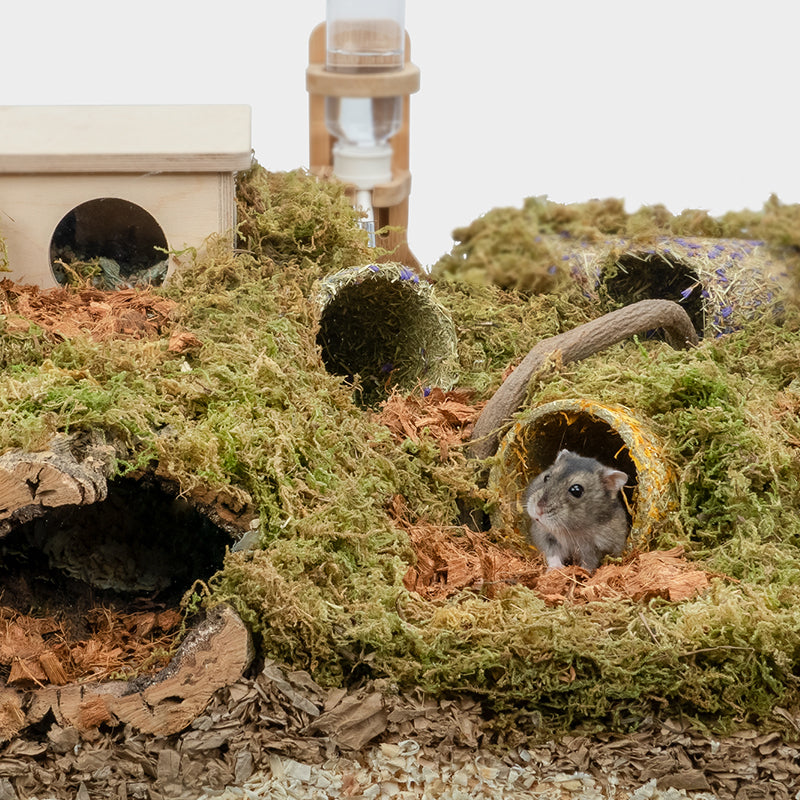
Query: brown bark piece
[[66, 312], [215, 654], [30, 483]]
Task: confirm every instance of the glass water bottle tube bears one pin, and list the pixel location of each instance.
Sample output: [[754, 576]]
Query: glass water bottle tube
[[364, 37]]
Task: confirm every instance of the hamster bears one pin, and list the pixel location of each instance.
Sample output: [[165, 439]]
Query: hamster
[[576, 512]]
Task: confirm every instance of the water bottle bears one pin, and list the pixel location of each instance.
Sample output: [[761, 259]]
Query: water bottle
[[364, 37]]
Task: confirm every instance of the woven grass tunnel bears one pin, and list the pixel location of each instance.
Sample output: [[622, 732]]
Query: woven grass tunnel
[[384, 325], [721, 283], [611, 434]]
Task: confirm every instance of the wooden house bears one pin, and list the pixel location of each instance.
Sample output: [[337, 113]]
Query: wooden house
[[130, 184]]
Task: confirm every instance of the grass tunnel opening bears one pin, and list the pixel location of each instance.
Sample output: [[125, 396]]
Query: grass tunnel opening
[[583, 434], [612, 434], [381, 330], [656, 276]]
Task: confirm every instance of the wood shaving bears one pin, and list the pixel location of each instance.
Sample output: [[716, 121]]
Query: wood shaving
[[267, 736]]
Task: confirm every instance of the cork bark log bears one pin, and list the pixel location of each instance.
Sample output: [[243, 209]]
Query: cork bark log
[[214, 654], [74, 471]]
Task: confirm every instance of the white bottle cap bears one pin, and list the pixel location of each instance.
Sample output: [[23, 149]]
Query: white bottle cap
[[364, 167]]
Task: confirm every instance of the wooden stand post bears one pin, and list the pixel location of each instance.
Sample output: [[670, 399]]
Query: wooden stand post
[[389, 200]]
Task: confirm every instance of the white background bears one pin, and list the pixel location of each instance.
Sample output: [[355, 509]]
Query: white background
[[691, 103]]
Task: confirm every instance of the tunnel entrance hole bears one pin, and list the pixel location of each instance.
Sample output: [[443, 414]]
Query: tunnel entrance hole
[[111, 241], [612, 434], [139, 548], [540, 442], [381, 327], [656, 276]]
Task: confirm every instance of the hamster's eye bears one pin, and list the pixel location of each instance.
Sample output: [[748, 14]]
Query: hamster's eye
[[546, 477], [576, 490]]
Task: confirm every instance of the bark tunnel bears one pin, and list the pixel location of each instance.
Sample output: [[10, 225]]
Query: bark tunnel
[[92, 573], [69, 531]]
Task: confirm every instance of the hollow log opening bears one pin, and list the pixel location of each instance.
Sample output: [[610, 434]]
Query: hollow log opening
[[656, 276], [90, 601], [140, 543], [113, 242], [387, 332]]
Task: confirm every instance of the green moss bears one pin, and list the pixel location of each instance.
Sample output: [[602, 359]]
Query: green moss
[[543, 245], [254, 409]]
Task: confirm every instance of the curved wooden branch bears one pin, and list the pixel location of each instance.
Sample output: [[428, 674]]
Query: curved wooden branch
[[580, 342]]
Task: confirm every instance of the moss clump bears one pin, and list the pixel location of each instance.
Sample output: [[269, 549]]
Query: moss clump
[[524, 249], [291, 218], [537, 247], [253, 409]]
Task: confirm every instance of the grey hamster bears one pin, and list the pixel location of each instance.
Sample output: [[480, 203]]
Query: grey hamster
[[576, 511]]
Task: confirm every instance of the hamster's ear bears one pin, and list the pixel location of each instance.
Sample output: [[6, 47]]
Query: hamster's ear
[[613, 479], [564, 453]]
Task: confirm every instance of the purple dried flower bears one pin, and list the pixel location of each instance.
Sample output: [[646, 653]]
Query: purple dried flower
[[726, 312], [686, 292], [374, 267], [721, 275]]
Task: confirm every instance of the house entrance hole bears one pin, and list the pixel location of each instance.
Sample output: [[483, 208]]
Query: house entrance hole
[[112, 242]]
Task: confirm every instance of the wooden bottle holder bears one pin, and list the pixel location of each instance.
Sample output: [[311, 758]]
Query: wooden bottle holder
[[390, 200]]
